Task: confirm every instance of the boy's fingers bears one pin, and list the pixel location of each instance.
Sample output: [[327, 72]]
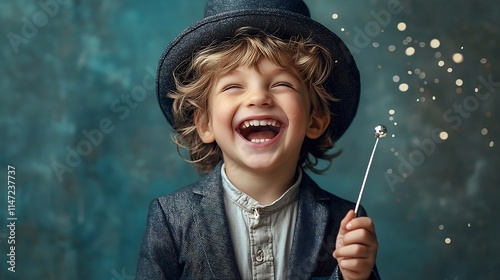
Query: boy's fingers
[[362, 223], [348, 217], [360, 236], [343, 228]]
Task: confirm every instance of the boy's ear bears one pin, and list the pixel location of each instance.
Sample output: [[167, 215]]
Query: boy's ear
[[204, 128], [317, 125]]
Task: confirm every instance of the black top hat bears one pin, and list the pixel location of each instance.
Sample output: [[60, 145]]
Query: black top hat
[[285, 19]]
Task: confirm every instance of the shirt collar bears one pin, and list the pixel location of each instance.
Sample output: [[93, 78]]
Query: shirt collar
[[247, 203]]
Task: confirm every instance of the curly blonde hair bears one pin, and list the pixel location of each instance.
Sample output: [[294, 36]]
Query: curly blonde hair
[[196, 77]]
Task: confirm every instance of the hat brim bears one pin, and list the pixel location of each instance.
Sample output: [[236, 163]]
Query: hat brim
[[343, 84]]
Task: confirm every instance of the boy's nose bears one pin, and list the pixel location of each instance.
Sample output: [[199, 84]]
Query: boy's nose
[[260, 98]]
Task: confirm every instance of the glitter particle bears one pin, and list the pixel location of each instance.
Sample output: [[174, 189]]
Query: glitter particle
[[403, 87], [492, 144], [435, 43], [441, 63], [484, 131], [483, 60], [443, 135], [392, 48], [447, 240], [335, 16], [401, 26], [395, 78], [449, 70], [458, 58], [459, 82], [410, 51], [375, 44], [441, 227], [342, 29], [392, 112]]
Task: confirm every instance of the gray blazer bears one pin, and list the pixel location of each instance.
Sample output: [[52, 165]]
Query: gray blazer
[[187, 235]]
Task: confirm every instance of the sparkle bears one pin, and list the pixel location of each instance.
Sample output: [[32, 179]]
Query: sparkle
[[410, 51], [468, 225], [441, 63], [401, 26], [449, 70], [392, 112], [342, 29], [403, 87], [492, 144], [484, 131], [409, 72], [447, 240], [375, 44], [458, 58], [483, 60], [435, 43], [335, 16], [433, 97], [443, 135], [459, 82]]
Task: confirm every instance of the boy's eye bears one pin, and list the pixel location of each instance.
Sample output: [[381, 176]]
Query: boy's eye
[[229, 87], [283, 84]]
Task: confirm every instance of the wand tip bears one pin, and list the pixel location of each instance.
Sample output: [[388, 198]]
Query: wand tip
[[380, 131]]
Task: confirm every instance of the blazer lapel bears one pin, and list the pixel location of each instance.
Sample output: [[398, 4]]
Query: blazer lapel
[[312, 219], [211, 222]]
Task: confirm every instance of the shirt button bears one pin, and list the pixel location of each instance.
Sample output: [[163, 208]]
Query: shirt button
[[260, 256]]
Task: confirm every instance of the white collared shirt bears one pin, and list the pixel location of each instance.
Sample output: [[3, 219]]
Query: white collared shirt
[[262, 235]]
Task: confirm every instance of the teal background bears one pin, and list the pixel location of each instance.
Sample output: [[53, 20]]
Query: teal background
[[70, 68]]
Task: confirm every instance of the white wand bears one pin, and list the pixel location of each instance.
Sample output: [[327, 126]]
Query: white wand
[[380, 131]]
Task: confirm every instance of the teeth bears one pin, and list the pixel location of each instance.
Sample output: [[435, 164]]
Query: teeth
[[259, 140], [274, 123]]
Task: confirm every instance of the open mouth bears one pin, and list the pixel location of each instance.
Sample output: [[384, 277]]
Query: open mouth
[[259, 131]]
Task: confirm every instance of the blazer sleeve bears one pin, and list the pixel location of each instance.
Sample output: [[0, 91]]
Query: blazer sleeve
[[158, 257]]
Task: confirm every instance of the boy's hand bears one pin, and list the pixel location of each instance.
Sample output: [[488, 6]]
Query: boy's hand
[[356, 247]]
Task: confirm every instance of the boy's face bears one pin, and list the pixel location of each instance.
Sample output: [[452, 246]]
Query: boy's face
[[259, 117]]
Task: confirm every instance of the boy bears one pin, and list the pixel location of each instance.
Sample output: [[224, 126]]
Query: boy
[[259, 91]]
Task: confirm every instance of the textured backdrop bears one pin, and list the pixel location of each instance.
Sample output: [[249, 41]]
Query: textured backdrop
[[87, 146]]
